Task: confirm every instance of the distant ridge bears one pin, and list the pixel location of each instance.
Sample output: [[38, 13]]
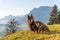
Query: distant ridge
[[41, 13]]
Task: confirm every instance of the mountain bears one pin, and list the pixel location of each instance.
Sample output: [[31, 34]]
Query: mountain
[[9, 17], [41, 13]]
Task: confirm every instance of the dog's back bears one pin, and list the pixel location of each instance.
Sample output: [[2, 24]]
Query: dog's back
[[41, 26]]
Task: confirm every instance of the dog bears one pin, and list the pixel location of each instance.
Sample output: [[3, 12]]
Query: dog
[[36, 26], [32, 24]]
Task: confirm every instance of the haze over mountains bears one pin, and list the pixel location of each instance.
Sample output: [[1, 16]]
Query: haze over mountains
[[41, 14]]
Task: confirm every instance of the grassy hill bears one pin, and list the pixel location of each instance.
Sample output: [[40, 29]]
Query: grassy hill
[[26, 34]]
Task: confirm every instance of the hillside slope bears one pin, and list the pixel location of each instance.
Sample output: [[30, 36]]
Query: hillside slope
[[26, 35]]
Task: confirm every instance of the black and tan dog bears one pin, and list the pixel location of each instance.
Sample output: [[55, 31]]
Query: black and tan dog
[[36, 26]]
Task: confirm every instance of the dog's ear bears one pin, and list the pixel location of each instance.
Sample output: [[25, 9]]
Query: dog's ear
[[27, 16], [31, 15]]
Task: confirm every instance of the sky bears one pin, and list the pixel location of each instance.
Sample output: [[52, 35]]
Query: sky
[[22, 7]]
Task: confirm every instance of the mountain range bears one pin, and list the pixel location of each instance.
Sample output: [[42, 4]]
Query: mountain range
[[41, 13]]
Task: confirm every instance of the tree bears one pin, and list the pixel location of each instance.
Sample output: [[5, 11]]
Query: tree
[[53, 16], [11, 26], [58, 17]]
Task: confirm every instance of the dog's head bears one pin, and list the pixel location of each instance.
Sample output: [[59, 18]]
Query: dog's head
[[30, 19]]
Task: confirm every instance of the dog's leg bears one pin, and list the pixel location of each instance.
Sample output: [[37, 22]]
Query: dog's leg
[[31, 31], [39, 30]]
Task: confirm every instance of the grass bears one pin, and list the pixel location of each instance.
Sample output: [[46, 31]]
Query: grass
[[26, 34]]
